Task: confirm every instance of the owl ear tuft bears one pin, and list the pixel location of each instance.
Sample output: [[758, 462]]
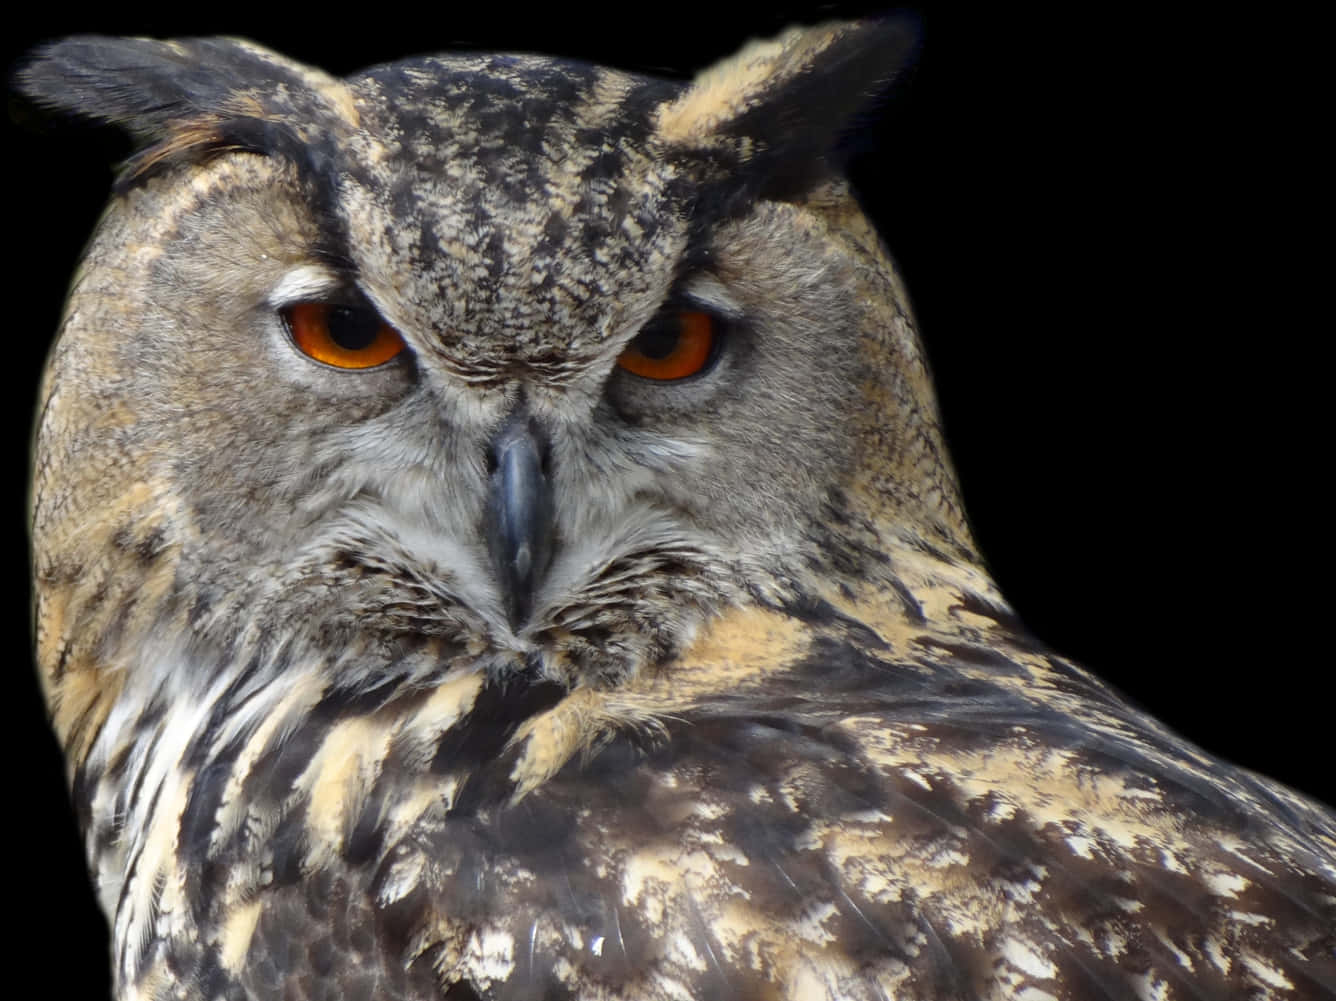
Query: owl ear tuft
[[775, 112], [180, 100]]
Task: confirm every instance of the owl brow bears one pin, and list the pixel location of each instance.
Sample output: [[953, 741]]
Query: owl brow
[[306, 281], [706, 291]]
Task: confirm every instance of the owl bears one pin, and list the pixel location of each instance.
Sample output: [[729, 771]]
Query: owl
[[493, 538]]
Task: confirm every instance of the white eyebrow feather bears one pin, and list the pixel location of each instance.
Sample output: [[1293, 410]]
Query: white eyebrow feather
[[306, 281], [708, 291]]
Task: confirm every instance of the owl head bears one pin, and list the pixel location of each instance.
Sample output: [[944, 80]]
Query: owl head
[[505, 360]]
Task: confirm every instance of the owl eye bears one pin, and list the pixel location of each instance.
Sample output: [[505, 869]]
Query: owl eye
[[674, 345], [342, 336]]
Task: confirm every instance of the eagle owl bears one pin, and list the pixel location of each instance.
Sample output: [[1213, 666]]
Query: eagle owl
[[493, 539]]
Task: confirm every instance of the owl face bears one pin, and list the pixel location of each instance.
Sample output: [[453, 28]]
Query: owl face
[[505, 354]]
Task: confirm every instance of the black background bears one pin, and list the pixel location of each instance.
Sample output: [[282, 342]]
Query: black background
[[1098, 216]]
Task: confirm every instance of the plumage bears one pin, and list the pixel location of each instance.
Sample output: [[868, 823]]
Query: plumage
[[761, 727]]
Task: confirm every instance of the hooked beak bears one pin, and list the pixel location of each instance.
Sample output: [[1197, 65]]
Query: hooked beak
[[519, 514]]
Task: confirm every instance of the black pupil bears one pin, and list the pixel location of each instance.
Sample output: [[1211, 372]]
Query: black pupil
[[659, 339], [353, 329]]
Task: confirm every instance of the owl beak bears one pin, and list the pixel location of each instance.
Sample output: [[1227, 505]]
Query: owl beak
[[519, 514]]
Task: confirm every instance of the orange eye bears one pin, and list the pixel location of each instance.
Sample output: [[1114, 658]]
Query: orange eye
[[672, 346], [342, 336]]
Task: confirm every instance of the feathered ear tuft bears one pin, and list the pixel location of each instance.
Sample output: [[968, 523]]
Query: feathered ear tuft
[[775, 112], [180, 100]]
